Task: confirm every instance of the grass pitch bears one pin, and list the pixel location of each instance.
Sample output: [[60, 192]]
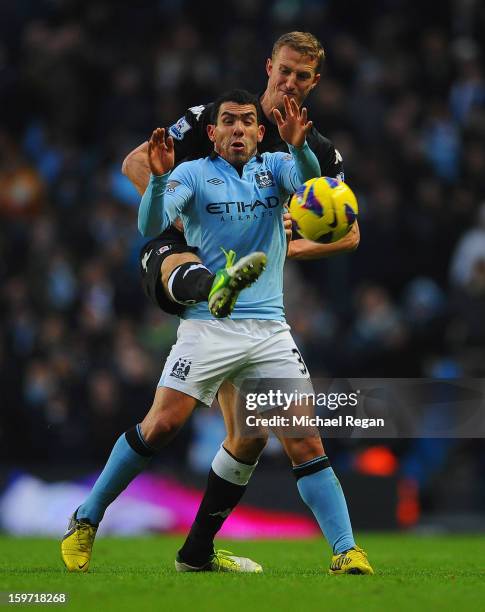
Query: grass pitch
[[412, 573]]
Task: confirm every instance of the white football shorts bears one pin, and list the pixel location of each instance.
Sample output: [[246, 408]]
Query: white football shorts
[[207, 352]]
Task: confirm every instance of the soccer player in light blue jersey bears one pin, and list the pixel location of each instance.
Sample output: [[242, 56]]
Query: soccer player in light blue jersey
[[255, 343], [172, 273], [215, 195]]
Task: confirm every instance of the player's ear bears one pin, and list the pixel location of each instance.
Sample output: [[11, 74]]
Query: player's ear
[[261, 130], [269, 66], [316, 78], [210, 132]]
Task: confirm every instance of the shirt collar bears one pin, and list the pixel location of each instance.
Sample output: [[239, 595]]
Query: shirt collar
[[258, 157]]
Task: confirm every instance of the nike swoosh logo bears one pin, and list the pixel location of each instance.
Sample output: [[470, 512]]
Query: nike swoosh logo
[[223, 513], [81, 566], [218, 285]]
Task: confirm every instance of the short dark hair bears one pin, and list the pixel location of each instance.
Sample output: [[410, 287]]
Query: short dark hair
[[304, 43], [239, 96]]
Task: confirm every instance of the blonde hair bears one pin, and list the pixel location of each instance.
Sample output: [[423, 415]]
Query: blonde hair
[[303, 42]]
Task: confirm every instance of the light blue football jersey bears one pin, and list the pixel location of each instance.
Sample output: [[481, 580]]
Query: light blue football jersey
[[221, 209]]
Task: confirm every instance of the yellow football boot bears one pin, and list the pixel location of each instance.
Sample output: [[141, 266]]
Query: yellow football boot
[[77, 544], [353, 561], [222, 561]]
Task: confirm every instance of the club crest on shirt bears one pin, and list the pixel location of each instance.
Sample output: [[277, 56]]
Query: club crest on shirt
[[197, 111], [171, 186], [181, 369], [264, 179], [144, 261]]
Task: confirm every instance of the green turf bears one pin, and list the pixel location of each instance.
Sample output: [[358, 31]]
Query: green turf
[[137, 574]]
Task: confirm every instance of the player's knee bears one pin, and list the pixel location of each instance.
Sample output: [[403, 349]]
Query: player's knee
[[174, 261]]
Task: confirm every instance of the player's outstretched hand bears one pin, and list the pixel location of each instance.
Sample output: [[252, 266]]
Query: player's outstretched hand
[[161, 156], [294, 127]]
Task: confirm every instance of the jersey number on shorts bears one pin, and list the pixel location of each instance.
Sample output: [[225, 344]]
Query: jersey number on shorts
[[299, 358]]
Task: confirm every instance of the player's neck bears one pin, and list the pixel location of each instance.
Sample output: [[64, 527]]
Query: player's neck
[[267, 106], [239, 167]]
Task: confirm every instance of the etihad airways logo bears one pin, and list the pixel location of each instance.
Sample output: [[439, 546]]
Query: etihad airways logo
[[238, 208]]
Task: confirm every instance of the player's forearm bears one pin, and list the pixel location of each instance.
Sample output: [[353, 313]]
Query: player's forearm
[[152, 217], [306, 163], [136, 168], [307, 249]]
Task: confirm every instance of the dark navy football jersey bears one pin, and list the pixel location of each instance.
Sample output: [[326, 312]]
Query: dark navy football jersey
[[191, 140]]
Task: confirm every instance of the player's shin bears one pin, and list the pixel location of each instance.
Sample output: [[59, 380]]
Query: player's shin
[[226, 484], [129, 457], [320, 489]]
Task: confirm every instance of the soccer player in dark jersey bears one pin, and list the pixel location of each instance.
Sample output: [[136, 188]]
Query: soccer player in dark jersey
[[293, 70]]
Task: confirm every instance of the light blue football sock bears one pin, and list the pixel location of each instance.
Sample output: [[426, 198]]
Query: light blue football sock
[[123, 465], [321, 491]]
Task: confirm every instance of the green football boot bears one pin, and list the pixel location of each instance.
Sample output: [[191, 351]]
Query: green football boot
[[232, 279]]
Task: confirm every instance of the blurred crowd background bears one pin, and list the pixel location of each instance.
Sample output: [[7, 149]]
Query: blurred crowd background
[[402, 96]]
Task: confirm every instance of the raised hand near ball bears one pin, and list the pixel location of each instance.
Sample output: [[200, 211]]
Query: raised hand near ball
[[161, 155], [294, 127]]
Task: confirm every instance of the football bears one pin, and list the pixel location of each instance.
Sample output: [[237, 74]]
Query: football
[[323, 209]]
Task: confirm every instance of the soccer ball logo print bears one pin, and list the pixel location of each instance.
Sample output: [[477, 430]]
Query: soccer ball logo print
[[181, 369]]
